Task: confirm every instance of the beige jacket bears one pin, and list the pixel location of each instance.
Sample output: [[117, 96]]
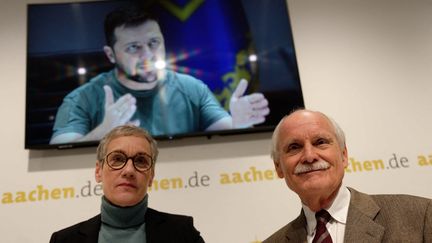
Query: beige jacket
[[374, 218]]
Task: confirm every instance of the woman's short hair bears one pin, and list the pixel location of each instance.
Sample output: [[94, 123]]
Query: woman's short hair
[[124, 131]]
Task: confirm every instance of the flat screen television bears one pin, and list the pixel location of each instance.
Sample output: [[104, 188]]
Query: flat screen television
[[217, 42]]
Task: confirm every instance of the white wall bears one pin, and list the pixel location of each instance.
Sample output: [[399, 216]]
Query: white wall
[[366, 63]]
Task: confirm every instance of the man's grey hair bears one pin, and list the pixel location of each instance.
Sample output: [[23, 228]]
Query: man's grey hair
[[340, 135], [124, 131]]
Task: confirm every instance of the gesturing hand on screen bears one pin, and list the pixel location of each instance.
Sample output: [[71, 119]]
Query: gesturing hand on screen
[[118, 112], [247, 110]]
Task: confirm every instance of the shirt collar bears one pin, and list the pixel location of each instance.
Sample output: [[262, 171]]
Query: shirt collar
[[119, 87], [338, 210]]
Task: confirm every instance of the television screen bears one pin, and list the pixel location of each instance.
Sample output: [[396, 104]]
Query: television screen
[[178, 69]]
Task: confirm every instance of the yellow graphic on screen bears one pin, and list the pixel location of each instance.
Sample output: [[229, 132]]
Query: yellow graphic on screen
[[182, 13], [232, 79]]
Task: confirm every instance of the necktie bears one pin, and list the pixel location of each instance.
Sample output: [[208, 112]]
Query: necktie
[[321, 234]]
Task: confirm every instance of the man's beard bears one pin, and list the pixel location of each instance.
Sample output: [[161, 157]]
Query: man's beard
[[140, 79], [137, 77]]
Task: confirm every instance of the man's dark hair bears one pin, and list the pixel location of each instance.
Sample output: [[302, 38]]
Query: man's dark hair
[[130, 16]]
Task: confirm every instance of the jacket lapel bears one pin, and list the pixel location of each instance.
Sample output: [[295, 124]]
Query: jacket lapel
[[89, 230], [360, 221], [296, 232], [152, 224]]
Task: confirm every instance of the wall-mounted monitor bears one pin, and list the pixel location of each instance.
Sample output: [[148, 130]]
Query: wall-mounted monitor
[[209, 46]]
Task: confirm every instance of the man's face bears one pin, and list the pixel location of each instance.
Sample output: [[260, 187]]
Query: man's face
[[136, 50], [310, 157], [127, 186]]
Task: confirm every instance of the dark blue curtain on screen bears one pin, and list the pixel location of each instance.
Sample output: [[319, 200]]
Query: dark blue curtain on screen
[[205, 41]]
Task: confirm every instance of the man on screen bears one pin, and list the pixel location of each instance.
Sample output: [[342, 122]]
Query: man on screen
[[125, 166], [309, 152], [140, 91]]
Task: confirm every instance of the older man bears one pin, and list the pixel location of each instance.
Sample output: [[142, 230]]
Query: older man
[[125, 166], [309, 151]]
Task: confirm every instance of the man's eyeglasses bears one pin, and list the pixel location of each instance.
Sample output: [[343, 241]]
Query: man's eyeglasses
[[116, 160]]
